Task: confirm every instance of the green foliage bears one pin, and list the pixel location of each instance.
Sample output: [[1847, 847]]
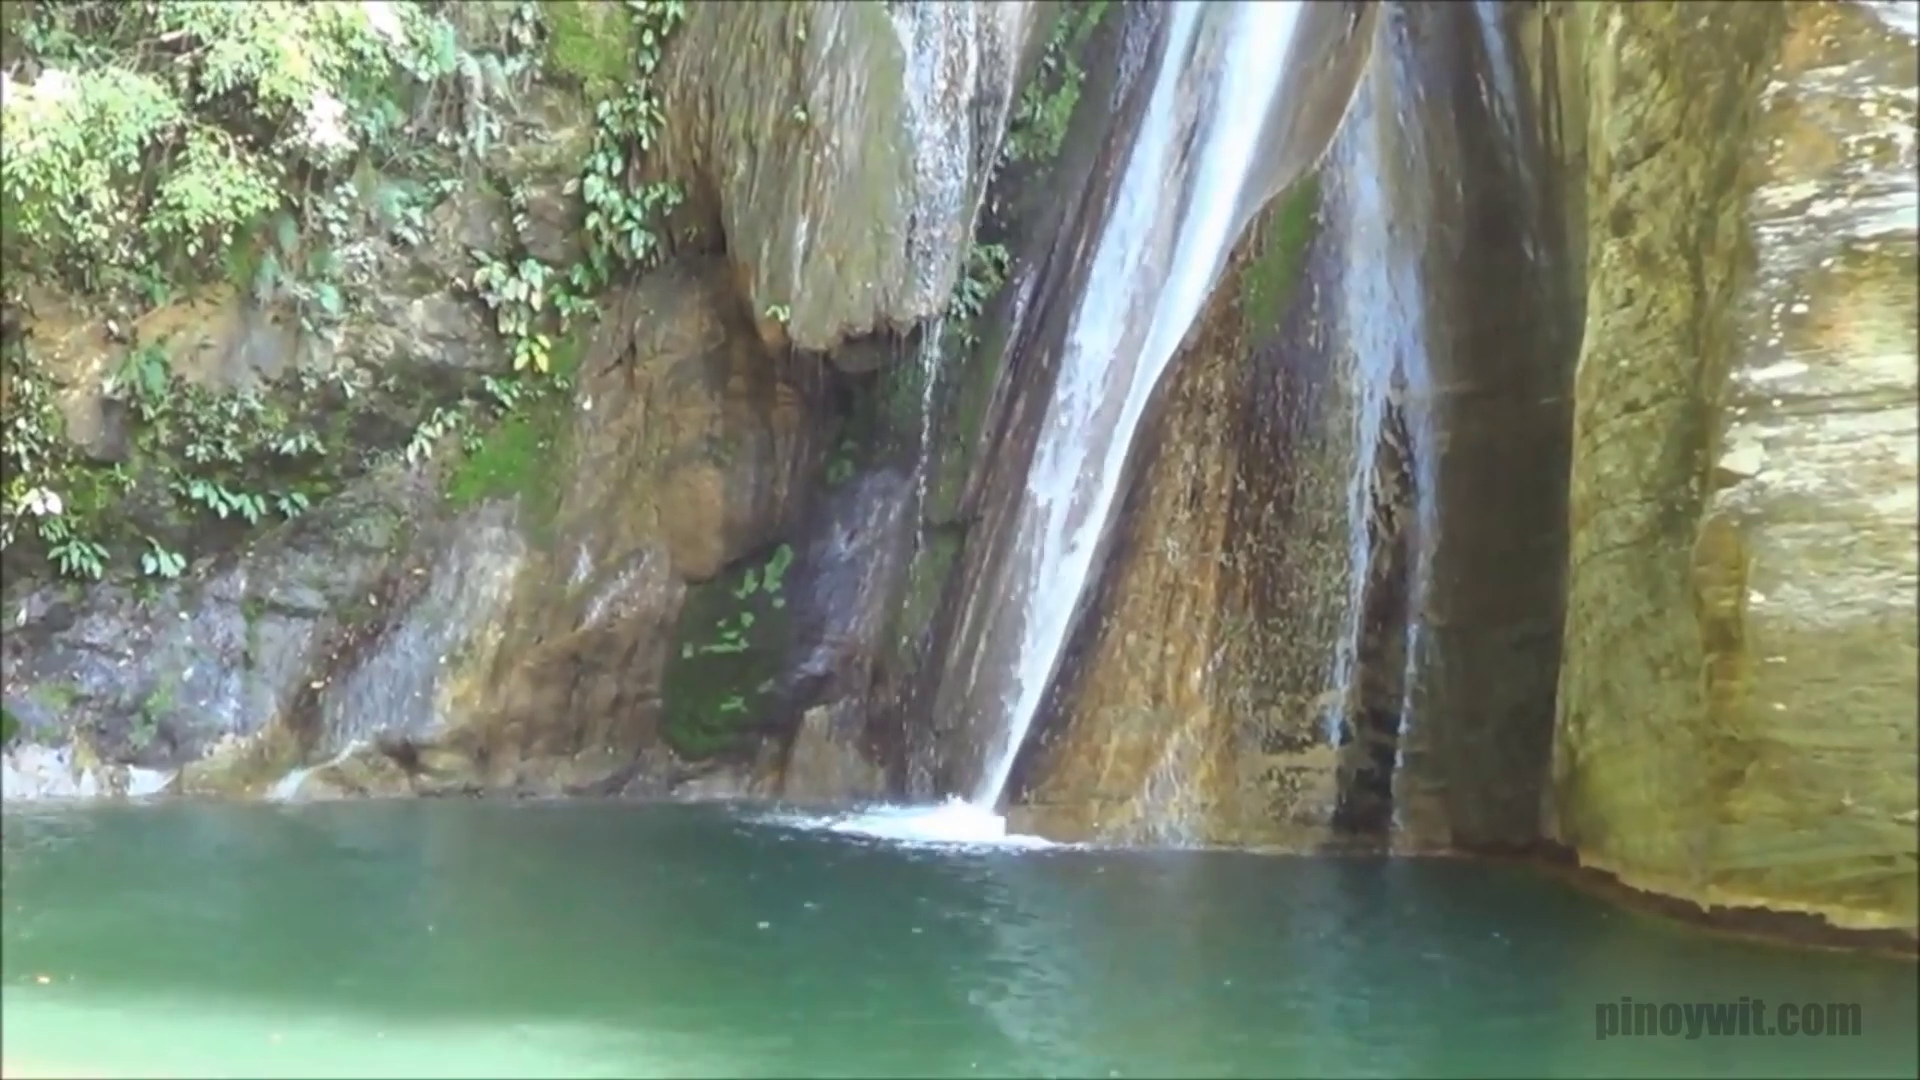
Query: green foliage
[[986, 272], [150, 147], [1039, 122], [153, 146], [518, 295], [534, 303], [156, 134], [32, 446], [732, 640], [843, 462], [623, 209], [227, 456]]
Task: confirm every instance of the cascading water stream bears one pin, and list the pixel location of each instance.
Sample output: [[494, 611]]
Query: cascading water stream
[[1244, 98], [1157, 254], [927, 370]]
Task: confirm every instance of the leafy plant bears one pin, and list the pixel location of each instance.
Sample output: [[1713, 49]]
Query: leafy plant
[[158, 133], [147, 147], [1038, 125], [161, 562]]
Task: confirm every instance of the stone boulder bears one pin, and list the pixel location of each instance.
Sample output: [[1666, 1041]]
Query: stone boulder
[[841, 150]]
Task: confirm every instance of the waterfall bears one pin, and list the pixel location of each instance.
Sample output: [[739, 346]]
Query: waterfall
[[927, 365], [1152, 268], [287, 788]]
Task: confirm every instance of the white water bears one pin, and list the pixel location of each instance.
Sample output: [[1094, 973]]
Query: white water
[[1082, 448], [287, 788], [929, 374], [954, 823], [1383, 320], [956, 56]]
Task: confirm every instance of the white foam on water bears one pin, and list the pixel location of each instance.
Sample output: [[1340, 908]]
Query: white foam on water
[[954, 823]]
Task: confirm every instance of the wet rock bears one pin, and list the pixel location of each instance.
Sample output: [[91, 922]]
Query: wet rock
[[1462, 605], [845, 585], [688, 449], [841, 149], [1736, 716], [549, 134], [396, 694], [1202, 653], [163, 676], [1191, 709], [826, 762], [731, 780], [358, 775], [36, 772], [386, 644], [698, 438]]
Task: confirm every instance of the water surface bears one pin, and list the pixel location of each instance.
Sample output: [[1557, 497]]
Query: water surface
[[482, 939]]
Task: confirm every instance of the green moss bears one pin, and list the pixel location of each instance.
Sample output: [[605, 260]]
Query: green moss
[[93, 491], [979, 368], [514, 458], [1268, 283], [57, 696], [925, 579], [9, 725], [591, 44], [730, 648], [1039, 123], [520, 454]]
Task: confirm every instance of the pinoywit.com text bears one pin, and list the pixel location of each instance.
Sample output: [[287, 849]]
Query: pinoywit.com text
[[1754, 1017]]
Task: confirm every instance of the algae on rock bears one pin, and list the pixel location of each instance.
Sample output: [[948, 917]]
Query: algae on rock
[[1736, 711]]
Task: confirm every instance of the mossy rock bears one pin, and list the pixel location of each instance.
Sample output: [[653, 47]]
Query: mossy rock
[[521, 454], [1038, 127], [590, 44], [1280, 259], [515, 457], [926, 578], [729, 654]]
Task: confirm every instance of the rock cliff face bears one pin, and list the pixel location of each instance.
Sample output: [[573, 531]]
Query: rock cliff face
[[842, 150], [509, 635], [627, 586], [1737, 708]]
